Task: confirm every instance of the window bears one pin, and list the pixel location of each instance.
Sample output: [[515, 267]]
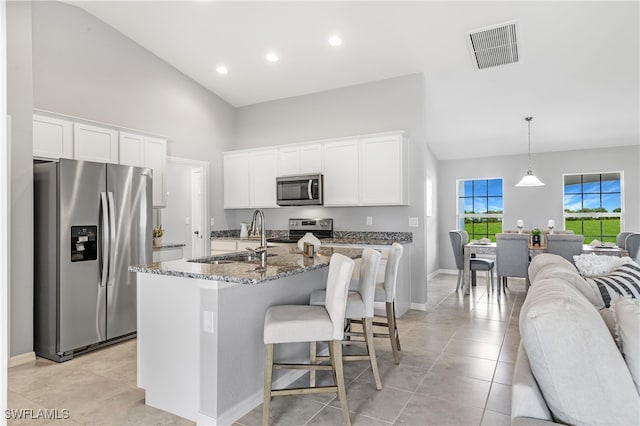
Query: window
[[480, 207], [593, 205]]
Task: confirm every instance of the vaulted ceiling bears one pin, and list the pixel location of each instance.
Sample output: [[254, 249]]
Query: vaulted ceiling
[[577, 74]]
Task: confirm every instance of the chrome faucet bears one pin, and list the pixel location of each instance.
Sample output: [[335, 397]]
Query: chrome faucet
[[253, 231]]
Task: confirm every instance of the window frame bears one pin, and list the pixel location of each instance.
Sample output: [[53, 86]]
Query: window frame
[[460, 217], [594, 215]]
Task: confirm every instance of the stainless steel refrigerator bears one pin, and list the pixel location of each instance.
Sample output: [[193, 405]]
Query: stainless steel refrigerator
[[92, 221]]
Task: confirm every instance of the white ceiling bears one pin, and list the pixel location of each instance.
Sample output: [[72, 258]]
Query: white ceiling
[[578, 75]]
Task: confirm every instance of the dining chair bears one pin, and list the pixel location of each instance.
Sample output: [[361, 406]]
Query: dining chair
[[306, 323], [621, 239], [566, 245], [458, 240], [512, 258], [633, 246], [359, 307]]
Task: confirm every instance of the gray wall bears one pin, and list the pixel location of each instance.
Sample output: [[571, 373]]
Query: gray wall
[[19, 106], [393, 104], [536, 205], [85, 68]]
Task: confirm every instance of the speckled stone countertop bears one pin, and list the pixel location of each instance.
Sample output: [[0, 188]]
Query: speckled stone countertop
[[168, 246], [286, 261], [339, 237]]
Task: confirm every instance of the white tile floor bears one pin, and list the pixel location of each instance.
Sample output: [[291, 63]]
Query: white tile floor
[[456, 366]]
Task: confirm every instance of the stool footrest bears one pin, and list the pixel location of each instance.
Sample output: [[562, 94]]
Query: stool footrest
[[300, 391], [303, 366]]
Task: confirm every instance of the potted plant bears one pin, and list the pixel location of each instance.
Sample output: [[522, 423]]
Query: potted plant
[[536, 236], [158, 232]]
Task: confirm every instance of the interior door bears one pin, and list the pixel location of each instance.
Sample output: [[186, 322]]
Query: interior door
[[130, 196]]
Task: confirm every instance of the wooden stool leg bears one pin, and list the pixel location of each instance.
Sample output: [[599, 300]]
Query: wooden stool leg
[[395, 325], [336, 362], [268, 372], [367, 323], [391, 323], [312, 360]]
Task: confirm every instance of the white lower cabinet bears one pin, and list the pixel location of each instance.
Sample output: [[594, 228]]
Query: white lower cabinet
[[232, 246], [52, 137], [93, 143], [162, 255]]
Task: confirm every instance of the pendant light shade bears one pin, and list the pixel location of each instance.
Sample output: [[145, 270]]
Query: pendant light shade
[[529, 179]]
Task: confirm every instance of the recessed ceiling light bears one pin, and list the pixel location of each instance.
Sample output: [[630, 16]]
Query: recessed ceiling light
[[272, 57], [335, 40], [222, 70]]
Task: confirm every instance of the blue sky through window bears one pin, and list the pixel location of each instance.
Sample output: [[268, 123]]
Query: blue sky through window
[[592, 194]]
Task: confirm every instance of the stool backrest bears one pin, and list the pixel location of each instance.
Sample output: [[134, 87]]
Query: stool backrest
[[340, 270], [566, 246], [391, 272], [367, 282]]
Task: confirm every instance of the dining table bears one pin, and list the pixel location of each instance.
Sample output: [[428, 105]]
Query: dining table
[[480, 248]]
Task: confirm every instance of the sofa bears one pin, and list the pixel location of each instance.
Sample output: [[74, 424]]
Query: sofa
[[570, 369]]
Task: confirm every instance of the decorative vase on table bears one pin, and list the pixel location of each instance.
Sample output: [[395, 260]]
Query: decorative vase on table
[[157, 241], [536, 237]]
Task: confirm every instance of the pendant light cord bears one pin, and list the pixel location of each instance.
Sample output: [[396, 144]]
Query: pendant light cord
[[529, 135]]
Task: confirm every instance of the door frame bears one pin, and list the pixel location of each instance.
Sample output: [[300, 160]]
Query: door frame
[[5, 219], [205, 194]]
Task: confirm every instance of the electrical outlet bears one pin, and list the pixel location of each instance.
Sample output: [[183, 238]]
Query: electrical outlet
[[187, 220], [413, 222], [369, 220], [213, 222], [207, 322]]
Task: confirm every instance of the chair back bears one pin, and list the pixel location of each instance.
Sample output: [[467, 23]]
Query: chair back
[[621, 239], [367, 282], [512, 255], [340, 269], [458, 240], [565, 245], [391, 272], [633, 246]]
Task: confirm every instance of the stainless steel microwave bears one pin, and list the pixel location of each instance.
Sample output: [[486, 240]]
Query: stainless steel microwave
[[305, 190]]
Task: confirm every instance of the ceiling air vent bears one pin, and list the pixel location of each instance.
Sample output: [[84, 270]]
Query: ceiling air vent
[[495, 45]]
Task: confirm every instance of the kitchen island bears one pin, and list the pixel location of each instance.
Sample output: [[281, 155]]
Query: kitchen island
[[200, 328]]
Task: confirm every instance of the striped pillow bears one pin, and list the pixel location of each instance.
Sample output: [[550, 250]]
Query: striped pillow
[[623, 281]]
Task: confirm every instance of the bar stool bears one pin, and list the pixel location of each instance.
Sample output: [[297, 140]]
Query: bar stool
[[359, 306], [306, 323]]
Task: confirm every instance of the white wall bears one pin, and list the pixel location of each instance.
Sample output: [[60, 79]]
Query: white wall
[[538, 204], [393, 104]]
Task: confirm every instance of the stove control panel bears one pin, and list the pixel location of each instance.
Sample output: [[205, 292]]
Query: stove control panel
[[311, 224]]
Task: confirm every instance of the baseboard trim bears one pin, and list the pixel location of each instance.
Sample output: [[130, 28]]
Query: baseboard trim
[[21, 359], [446, 272], [419, 306]]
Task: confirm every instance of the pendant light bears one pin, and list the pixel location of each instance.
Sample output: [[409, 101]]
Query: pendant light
[[529, 179]]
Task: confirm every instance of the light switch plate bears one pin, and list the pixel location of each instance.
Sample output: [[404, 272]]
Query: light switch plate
[[369, 220], [213, 222], [207, 320], [413, 222]]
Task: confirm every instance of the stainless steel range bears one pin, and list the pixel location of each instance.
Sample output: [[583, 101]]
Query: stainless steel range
[[321, 228]]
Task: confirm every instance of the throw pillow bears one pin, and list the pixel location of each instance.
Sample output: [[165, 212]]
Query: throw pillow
[[627, 314], [580, 371], [624, 281], [591, 264]]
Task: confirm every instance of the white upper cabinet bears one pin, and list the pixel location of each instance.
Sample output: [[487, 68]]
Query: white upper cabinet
[[52, 137], [236, 180], [155, 157], [341, 173], [263, 170], [383, 171], [299, 159], [131, 149], [94, 143]]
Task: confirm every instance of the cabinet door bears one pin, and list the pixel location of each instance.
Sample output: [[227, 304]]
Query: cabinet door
[[52, 137], [155, 157], [131, 149], [263, 169], [381, 165], [340, 168], [236, 180], [289, 161], [93, 143], [311, 158]]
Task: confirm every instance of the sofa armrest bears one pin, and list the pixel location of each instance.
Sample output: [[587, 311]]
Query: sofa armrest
[[527, 403], [529, 421]]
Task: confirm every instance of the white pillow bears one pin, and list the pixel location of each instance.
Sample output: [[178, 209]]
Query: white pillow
[[592, 265], [627, 314]]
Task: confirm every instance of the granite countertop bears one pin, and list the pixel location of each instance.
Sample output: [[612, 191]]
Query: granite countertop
[[168, 246], [287, 261], [339, 237]]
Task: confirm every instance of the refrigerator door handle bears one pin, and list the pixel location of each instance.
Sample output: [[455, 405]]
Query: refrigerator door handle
[[112, 238], [104, 258]]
